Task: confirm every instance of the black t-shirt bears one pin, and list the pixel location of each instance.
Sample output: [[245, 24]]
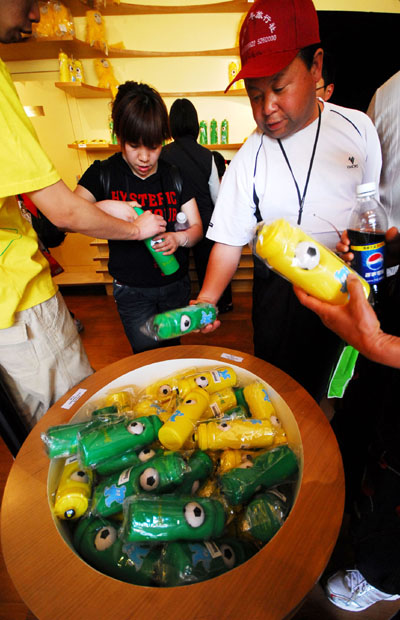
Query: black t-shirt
[[194, 161], [130, 262]]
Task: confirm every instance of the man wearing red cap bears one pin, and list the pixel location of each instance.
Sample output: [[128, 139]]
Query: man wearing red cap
[[302, 163]]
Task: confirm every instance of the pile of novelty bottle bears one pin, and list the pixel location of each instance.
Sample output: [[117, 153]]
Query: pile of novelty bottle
[[176, 483]]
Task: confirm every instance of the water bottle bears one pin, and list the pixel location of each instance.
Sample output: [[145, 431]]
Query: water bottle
[[224, 132], [168, 264], [366, 230], [181, 222], [203, 133], [213, 132]]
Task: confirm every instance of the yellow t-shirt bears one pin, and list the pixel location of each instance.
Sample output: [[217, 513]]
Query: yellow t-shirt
[[25, 279]]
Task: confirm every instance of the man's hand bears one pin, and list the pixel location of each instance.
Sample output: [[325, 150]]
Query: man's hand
[[355, 322], [211, 327], [393, 247], [149, 224]]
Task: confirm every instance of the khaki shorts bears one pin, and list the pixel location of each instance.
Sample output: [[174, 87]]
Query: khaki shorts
[[42, 357]]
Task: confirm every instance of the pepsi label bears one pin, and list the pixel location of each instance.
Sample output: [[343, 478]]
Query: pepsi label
[[369, 258]]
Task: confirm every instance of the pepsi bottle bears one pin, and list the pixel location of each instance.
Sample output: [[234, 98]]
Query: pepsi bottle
[[367, 227]]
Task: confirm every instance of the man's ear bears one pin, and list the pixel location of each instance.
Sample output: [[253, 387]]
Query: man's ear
[[316, 67], [328, 91]]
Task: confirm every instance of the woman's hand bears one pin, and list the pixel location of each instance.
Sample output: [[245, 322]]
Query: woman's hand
[[167, 243]]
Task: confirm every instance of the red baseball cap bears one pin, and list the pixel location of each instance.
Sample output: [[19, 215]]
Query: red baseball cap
[[273, 33]]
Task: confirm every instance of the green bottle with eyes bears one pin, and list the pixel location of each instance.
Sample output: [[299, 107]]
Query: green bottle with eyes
[[160, 475], [109, 440], [169, 518], [176, 323], [97, 542]]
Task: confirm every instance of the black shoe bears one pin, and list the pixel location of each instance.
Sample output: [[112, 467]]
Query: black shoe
[[225, 308]]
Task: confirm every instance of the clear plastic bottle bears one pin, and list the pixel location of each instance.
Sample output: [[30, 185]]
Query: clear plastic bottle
[[366, 230], [181, 221]]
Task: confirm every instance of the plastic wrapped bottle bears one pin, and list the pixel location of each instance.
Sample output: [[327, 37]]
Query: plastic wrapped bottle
[[213, 132], [367, 227], [168, 264], [63, 62], [299, 258], [203, 132], [224, 132], [181, 222], [176, 323]]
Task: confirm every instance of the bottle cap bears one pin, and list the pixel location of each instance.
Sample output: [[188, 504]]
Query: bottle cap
[[181, 217], [366, 189]]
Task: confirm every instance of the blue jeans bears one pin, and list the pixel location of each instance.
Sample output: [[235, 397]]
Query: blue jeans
[[138, 304]]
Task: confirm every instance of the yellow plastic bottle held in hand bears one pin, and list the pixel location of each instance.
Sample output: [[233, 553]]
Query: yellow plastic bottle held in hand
[[299, 258]]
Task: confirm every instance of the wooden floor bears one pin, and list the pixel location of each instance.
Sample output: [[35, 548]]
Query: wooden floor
[[105, 343]]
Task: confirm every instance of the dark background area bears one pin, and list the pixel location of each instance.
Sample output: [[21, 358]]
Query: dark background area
[[365, 48]]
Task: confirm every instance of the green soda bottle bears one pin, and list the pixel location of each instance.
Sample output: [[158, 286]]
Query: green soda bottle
[[167, 264], [203, 133], [224, 132], [213, 132]]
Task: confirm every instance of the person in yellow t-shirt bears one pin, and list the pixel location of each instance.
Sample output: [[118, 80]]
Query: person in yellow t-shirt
[[41, 354]]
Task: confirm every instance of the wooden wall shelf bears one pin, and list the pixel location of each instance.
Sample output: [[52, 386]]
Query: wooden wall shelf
[[83, 91], [112, 148], [228, 6], [86, 91], [32, 49]]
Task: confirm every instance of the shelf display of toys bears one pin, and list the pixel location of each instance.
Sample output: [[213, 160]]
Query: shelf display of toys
[[212, 136], [56, 21], [105, 74], [71, 69], [176, 481], [96, 31]]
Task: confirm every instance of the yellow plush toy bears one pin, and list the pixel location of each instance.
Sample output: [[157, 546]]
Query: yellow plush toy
[[63, 22], [106, 75], [45, 28], [96, 31]]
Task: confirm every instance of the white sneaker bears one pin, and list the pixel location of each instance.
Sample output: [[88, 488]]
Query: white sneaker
[[350, 590]]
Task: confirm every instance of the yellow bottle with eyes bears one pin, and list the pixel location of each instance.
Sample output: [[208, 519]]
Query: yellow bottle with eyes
[[74, 490], [303, 261], [235, 434], [235, 458], [211, 381], [175, 432], [258, 401], [123, 401], [165, 390]]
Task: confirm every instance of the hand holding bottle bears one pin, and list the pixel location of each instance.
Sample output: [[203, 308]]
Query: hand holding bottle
[[392, 244], [149, 224]]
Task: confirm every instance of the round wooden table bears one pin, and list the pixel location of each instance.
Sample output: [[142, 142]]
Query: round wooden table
[[56, 584]]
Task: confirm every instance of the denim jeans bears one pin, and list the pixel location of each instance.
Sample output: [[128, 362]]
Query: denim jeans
[[138, 304]]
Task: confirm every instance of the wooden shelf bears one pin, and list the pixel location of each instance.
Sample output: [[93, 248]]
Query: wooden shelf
[[83, 91], [228, 6], [86, 91], [221, 147], [112, 148], [33, 49]]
